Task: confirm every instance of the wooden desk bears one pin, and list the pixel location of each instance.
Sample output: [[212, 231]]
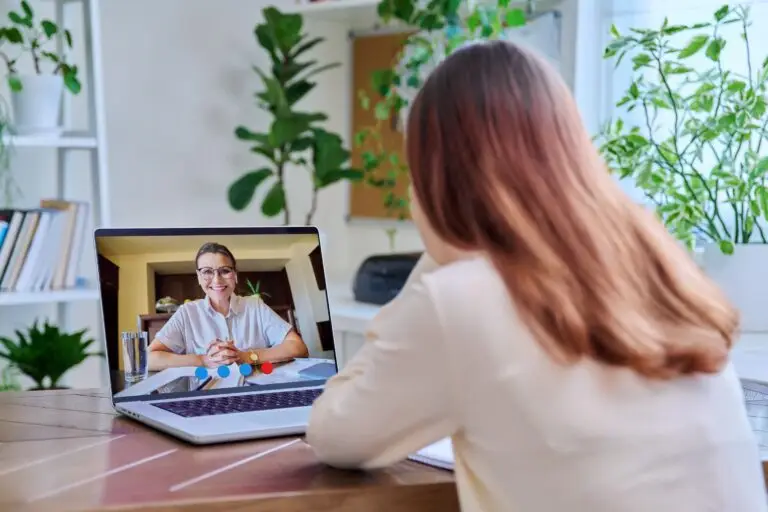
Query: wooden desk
[[67, 450]]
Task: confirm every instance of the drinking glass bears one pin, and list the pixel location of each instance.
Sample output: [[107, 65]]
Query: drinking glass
[[135, 353]]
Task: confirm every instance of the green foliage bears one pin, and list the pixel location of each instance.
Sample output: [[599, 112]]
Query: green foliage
[[255, 289], [705, 167], [45, 355], [8, 184], [34, 38], [9, 380], [295, 137], [454, 25]]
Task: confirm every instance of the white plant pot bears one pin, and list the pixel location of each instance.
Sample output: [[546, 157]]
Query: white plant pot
[[37, 107], [743, 276]]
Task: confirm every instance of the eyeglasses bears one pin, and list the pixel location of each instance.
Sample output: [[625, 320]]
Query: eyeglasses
[[207, 273]]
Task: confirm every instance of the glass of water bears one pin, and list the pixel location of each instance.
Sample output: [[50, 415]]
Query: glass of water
[[135, 353]]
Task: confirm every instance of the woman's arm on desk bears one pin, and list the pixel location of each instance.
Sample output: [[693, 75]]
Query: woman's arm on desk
[[161, 357], [291, 346], [394, 397]]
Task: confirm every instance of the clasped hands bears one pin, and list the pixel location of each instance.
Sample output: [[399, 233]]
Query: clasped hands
[[221, 353]]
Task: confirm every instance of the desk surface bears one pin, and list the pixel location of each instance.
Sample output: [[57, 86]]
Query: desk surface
[[67, 450]]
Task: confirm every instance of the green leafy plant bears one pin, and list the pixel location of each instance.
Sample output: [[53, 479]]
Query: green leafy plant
[[8, 185], [697, 152], [9, 379], [441, 26], [295, 137], [35, 38], [46, 354], [255, 289]]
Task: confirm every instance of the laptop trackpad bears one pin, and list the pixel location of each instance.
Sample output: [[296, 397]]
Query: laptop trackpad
[[280, 418]]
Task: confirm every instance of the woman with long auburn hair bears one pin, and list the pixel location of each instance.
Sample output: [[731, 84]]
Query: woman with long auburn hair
[[574, 352]]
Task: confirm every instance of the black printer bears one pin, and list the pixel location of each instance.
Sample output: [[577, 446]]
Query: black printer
[[381, 277]]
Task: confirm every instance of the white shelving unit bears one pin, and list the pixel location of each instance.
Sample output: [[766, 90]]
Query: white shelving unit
[[93, 141], [58, 296], [67, 141]]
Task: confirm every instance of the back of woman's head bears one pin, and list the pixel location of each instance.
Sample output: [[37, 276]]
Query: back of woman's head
[[501, 162]]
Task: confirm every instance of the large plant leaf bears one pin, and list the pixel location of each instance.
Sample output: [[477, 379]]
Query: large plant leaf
[[287, 129], [302, 144], [331, 177], [243, 133], [273, 95], [267, 40], [241, 192], [287, 71], [328, 153], [320, 69], [305, 46], [693, 46], [297, 90], [274, 202], [285, 27]]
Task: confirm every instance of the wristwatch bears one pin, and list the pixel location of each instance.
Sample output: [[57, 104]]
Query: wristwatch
[[253, 356]]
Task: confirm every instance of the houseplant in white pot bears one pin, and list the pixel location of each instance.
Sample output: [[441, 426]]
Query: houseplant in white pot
[[36, 95], [692, 136]]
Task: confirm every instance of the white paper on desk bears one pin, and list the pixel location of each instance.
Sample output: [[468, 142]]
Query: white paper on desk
[[439, 454]]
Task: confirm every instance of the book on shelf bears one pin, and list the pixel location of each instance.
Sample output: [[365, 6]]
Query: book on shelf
[[41, 248], [439, 454]]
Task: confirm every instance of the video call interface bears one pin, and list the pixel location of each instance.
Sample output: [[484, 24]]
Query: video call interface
[[187, 315]]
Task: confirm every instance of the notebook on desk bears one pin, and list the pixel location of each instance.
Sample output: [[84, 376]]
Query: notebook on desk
[[439, 454]]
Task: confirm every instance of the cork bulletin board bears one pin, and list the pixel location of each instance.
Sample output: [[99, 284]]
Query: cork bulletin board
[[371, 53]]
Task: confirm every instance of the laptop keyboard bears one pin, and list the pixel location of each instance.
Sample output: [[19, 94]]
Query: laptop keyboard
[[241, 403]]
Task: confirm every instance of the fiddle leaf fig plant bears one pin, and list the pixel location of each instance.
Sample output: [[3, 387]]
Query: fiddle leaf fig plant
[[45, 354], [441, 28], [32, 37], [294, 138], [693, 134]]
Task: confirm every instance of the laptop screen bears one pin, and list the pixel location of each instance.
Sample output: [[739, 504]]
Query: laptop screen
[[191, 312]]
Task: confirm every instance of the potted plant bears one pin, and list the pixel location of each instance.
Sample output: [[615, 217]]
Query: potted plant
[[36, 97], [254, 290], [692, 138], [46, 354], [295, 138]]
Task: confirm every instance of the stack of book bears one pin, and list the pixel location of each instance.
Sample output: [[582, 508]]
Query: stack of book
[[40, 248]]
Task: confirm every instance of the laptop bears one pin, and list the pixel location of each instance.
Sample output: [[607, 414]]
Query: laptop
[[162, 309]]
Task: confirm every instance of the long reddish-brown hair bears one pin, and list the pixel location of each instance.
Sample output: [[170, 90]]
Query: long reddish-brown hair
[[501, 162]]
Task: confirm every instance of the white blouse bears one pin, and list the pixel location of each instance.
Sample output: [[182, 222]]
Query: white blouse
[[449, 357]]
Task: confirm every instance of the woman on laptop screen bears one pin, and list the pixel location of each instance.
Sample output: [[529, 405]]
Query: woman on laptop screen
[[223, 328], [569, 346]]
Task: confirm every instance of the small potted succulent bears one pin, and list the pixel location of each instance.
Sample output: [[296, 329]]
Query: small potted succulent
[[36, 96]]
